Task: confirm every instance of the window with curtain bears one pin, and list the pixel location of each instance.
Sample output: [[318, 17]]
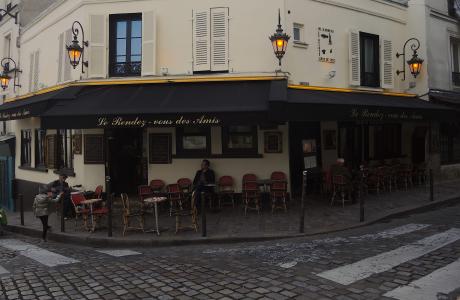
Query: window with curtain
[[65, 151], [370, 59], [40, 148], [125, 44], [240, 139], [193, 141], [26, 150]]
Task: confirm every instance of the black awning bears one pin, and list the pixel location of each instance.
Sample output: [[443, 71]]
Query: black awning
[[314, 105], [448, 98], [163, 104], [34, 105]]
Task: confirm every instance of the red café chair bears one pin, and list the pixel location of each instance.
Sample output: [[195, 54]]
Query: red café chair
[[143, 192], [226, 190], [157, 185], [98, 211], [80, 209], [175, 197], [278, 190], [251, 193]]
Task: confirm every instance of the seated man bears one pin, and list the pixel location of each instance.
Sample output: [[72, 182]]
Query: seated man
[[60, 188], [203, 178]]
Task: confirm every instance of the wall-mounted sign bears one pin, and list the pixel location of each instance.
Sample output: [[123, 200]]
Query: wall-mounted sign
[[326, 49], [380, 115], [119, 121], [19, 114]]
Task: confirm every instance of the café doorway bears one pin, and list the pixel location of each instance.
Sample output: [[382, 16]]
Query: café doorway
[[125, 160]]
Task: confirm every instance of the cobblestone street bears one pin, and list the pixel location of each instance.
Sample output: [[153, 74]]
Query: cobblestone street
[[298, 268]]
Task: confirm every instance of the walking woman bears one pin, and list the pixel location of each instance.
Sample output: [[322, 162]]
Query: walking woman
[[41, 209]]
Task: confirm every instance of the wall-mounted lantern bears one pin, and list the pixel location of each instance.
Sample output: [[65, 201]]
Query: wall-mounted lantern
[[279, 40], [415, 63], [75, 51], [5, 78]]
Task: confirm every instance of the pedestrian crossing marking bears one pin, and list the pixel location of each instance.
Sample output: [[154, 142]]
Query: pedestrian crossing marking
[[42, 256], [119, 253], [3, 271], [367, 267], [443, 280]]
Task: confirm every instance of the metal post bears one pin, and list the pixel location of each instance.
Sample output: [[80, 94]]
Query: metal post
[[302, 203], [21, 208], [109, 216], [431, 185], [61, 200], [361, 208], [430, 146], [203, 215]]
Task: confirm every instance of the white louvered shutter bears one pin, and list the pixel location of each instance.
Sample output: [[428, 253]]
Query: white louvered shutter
[[61, 49], [97, 56], [36, 69], [201, 41], [219, 39], [66, 60], [386, 63], [148, 43], [31, 72], [354, 58]]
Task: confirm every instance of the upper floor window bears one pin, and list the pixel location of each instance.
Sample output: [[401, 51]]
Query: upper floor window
[[454, 8], [210, 40], [370, 63], [125, 45], [298, 32], [455, 49]]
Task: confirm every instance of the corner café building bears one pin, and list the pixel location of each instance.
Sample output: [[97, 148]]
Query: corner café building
[[136, 131]]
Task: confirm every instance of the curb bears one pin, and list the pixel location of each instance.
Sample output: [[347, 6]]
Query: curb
[[124, 243]]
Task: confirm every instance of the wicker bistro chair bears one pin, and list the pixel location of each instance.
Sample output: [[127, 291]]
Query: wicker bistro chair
[[185, 186], [226, 190], [80, 209], [405, 176], [190, 211], [130, 213], [339, 185], [175, 197], [278, 191], [251, 193]]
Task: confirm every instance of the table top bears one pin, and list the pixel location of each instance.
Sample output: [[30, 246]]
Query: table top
[[155, 199], [90, 201]]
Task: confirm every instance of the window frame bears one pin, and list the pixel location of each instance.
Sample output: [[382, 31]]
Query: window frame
[[226, 134], [40, 148], [301, 28], [26, 144], [455, 61], [447, 140], [200, 153], [383, 142], [65, 155], [129, 18], [377, 67]]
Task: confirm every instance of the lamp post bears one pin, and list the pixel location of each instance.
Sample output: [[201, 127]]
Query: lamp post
[[415, 63], [5, 78], [279, 40], [75, 51]]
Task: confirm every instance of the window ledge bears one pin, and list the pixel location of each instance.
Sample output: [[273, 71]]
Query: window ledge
[[370, 89], [37, 169], [299, 44], [68, 172]]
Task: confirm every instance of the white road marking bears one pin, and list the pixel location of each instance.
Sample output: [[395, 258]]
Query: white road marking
[[383, 262], [288, 265], [45, 257], [443, 280], [3, 271], [119, 253], [394, 232]]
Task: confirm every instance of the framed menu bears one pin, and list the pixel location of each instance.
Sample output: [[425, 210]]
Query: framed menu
[[160, 148], [94, 149], [273, 142]]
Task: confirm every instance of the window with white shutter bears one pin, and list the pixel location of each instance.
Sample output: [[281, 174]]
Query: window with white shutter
[[386, 68], [36, 70], [97, 56], [31, 71], [149, 28], [66, 60], [61, 46], [354, 58], [201, 41], [219, 39]]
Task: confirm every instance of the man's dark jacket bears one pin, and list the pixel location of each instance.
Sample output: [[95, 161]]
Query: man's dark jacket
[[208, 176]]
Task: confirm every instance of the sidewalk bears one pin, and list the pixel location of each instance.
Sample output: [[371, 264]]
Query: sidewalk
[[231, 224]]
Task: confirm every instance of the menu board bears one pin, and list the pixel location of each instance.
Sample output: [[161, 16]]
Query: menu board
[[160, 148], [94, 149]]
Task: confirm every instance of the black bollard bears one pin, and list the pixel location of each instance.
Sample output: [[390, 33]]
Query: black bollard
[[109, 216], [361, 208], [61, 200], [203, 215], [302, 203], [431, 185], [21, 208]]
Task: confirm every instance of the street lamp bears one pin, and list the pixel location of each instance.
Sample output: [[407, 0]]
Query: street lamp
[[75, 51], [415, 63], [279, 40], [5, 78]]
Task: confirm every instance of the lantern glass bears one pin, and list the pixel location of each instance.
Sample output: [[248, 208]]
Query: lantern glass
[[415, 65], [4, 81], [74, 51]]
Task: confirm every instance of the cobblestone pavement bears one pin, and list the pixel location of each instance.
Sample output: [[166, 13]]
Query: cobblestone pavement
[[284, 269]]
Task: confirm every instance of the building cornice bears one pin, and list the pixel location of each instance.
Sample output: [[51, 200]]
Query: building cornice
[[442, 16], [348, 90]]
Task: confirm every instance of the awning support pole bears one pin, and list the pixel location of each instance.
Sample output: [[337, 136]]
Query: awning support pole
[[430, 147], [302, 203]]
